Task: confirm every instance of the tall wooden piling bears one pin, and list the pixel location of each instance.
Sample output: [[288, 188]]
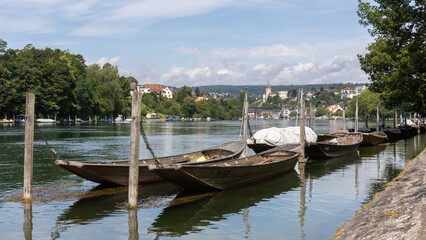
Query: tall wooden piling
[[356, 115], [311, 121], [395, 118], [378, 119], [245, 124], [29, 140], [344, 119], [134, 149], [302, 127]]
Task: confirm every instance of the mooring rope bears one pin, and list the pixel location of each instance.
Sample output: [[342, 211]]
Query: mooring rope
[[145, 139], [55, 156], [249, 127]]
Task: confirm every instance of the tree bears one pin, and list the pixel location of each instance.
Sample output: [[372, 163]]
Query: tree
[[188, 107], [321, 111], [183, 93], [395, 61], [3, 46], [197, 92], [106, 88]]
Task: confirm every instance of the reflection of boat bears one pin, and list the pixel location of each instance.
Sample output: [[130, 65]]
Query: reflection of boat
[[318, 169], [373, 138], [106, 201], [365, 151], [334, 147], [182, 219], [117, 172], [234, 172]]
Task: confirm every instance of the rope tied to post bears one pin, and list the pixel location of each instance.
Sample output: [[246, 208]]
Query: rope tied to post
[[145, 139], [55, 155]]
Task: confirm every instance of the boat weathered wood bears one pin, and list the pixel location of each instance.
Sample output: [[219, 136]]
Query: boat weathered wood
[[373, 138], [231, 173], [393, 134], [335, 147], [117, 172]]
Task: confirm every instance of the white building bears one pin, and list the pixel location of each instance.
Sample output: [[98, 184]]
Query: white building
[[282, 94], [167, 93]]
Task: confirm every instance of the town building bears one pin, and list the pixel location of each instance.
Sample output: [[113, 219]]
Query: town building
[[282, 94], [347, 92], [160, 90], [334, 108]]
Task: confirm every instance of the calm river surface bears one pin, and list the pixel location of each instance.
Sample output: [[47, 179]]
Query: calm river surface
[[312, 205]]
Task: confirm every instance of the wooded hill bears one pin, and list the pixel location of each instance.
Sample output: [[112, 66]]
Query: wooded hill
[[260, 89]]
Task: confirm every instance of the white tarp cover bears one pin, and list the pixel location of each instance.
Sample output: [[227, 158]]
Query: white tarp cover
[[280, 136]]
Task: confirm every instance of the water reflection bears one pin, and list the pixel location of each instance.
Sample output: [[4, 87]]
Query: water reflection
[[317, 169], [303, 207], [88, 210], [28, 221], [133, 224], [189, 218]]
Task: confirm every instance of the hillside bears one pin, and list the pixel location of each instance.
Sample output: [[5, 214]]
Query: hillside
[[260, 89]]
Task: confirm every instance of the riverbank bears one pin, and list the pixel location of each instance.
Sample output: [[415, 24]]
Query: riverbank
[[398, 212]]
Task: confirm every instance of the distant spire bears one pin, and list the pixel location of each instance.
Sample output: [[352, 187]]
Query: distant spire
[[267, 85]]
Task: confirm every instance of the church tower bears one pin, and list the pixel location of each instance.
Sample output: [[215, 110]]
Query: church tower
[[267, 90]]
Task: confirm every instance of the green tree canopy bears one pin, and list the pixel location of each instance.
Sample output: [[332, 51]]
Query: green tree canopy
[[321, 111], [183, 93], [395, 62]]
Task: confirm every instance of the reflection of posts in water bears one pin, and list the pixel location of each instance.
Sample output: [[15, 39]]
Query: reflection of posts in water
[[133, 224], [245, 220], [28, 221], [378, 166], [356, 181], [302, 199]]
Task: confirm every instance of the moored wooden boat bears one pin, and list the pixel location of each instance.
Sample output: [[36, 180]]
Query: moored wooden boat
[[373, 138], [334, 147], [117, 172], [393, 134], [232, 173]]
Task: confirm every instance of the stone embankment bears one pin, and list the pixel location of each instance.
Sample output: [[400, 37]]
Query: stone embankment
[[398, 212]]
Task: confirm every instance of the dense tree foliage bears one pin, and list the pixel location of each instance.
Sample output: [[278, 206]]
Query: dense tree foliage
[[63, 84], [395, 62]]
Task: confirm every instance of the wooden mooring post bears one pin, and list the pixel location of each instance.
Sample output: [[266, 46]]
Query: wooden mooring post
[[344, 119], [356, 115], [245, 123], [134, 149], [302, 127], [29, 140]]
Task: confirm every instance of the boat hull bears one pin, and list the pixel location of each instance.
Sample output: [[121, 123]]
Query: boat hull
[[231, 174], [374, 138], [327, 149], [117, 173]]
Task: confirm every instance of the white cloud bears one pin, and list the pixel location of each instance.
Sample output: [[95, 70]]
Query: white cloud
[[104, 60], [339, 69]]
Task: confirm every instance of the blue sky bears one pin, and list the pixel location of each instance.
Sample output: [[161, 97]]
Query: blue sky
[[198, 43]]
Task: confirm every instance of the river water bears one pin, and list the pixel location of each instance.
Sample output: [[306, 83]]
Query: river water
[[299, 205]]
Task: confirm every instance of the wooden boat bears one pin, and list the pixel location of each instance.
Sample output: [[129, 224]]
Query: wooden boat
[[373, 138], [117, 172], [334, 147], [393, 134], [231, 173]]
